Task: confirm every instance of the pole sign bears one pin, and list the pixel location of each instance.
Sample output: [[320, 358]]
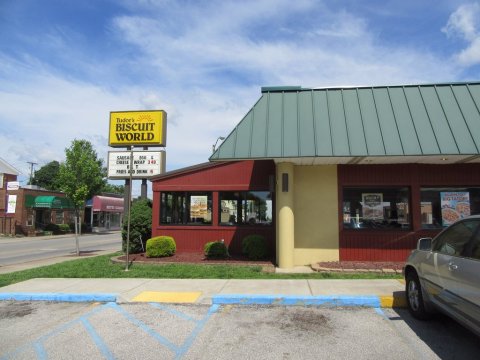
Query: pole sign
[[138, 128], [145, 164]]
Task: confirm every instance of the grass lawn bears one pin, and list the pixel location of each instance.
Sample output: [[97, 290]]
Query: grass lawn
[[102, 267]]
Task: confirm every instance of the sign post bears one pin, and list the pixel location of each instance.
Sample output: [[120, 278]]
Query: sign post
[[129, 208], [141, 129]]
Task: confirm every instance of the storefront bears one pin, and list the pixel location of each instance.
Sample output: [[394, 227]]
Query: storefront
[[46, 208], [214, 202], [104, 213], [362, 172], [29, 209]]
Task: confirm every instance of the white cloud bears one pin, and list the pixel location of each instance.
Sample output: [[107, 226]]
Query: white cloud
[[201, 62], [464, 23], [337, 48]]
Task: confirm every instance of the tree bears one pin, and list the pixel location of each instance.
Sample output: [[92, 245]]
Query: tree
[[80, 177], [140, 226], [113, 189], [47, 176]]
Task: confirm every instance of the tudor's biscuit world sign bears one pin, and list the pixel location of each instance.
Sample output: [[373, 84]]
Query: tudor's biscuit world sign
[[138, 128]]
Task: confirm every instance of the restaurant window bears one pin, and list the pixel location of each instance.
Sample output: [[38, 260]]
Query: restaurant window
[[245, 208], [186, 208], [376, 208], [441, 207]]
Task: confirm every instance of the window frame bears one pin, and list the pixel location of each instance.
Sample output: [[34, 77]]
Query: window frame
[[436, 223], [243, 197], [405, 225], [182, 201]]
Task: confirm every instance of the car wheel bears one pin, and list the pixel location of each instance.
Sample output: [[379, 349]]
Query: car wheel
[[413, 291]]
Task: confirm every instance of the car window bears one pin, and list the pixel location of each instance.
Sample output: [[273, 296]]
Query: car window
[[472, 249], [453, 241]]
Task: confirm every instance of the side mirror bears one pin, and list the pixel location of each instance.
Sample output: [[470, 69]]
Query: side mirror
[[424, 244]]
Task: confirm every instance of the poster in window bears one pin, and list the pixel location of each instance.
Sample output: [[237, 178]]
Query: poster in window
[[455, 206], [426, 211], [198, 206], [372, 206], [12, 204]]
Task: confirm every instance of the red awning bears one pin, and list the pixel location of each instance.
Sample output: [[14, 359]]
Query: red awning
[[108, 204]]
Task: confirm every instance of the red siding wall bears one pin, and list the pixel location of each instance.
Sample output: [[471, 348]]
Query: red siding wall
[[215, 177], [395, 245]]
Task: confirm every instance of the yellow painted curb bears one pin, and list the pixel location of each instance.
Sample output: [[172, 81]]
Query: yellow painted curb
[[167, 297], [396, 301]]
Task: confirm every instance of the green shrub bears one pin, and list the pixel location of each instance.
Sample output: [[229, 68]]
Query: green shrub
[[84, 228], [53, 228], [140, 226], [160, 246], [254, 246], [63, 228], [215, 250]]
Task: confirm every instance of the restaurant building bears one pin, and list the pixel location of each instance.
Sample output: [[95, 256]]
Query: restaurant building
[[352, 173]]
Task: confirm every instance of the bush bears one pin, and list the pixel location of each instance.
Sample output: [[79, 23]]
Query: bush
[[254, 246], [140, 226], [53, 228], [215, 250], [63, 228], [84, 228], [160, 246]]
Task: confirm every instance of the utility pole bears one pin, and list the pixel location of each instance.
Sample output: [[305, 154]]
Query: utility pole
[[31, 171]]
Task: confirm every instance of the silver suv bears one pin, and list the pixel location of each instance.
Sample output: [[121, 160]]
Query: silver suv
[[444, 274]]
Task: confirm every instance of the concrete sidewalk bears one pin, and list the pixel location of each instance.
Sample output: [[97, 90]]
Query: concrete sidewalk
[[377, 293]]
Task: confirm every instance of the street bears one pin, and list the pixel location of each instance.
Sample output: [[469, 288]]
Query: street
[[22, 253], [167, 331]]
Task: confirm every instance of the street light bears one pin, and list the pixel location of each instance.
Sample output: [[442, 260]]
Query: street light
[[216, 142]]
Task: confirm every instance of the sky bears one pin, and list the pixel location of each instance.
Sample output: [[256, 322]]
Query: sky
[[66, 64]]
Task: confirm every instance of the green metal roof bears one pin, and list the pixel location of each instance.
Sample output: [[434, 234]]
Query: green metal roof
[[351, 124]]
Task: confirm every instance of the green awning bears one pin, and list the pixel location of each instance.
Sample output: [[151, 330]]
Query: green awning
[[49, 202]]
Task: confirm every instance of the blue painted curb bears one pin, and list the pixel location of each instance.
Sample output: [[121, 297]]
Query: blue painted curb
[[330, 300], [61, 297]]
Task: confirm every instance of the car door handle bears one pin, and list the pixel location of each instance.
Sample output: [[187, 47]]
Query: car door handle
[[452, 266]]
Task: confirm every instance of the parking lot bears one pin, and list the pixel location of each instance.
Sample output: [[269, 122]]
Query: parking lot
[[47, 330]]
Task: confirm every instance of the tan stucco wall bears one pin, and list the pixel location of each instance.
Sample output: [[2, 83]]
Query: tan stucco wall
[[316, 214], [285, 216]]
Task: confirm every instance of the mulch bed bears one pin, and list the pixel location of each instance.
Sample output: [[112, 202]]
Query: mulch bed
[[360, 266], [331, 266]]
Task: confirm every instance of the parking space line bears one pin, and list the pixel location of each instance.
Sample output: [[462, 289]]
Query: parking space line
[[40, 351], [97, 339], [172, 347], [200, 325], [38, 345], [173, 311]]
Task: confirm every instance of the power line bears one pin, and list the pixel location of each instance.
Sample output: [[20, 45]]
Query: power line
[[31, 170]]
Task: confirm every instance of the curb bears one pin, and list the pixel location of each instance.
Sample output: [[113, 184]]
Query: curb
[[59, 297], [330, 300], [375, 301]]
